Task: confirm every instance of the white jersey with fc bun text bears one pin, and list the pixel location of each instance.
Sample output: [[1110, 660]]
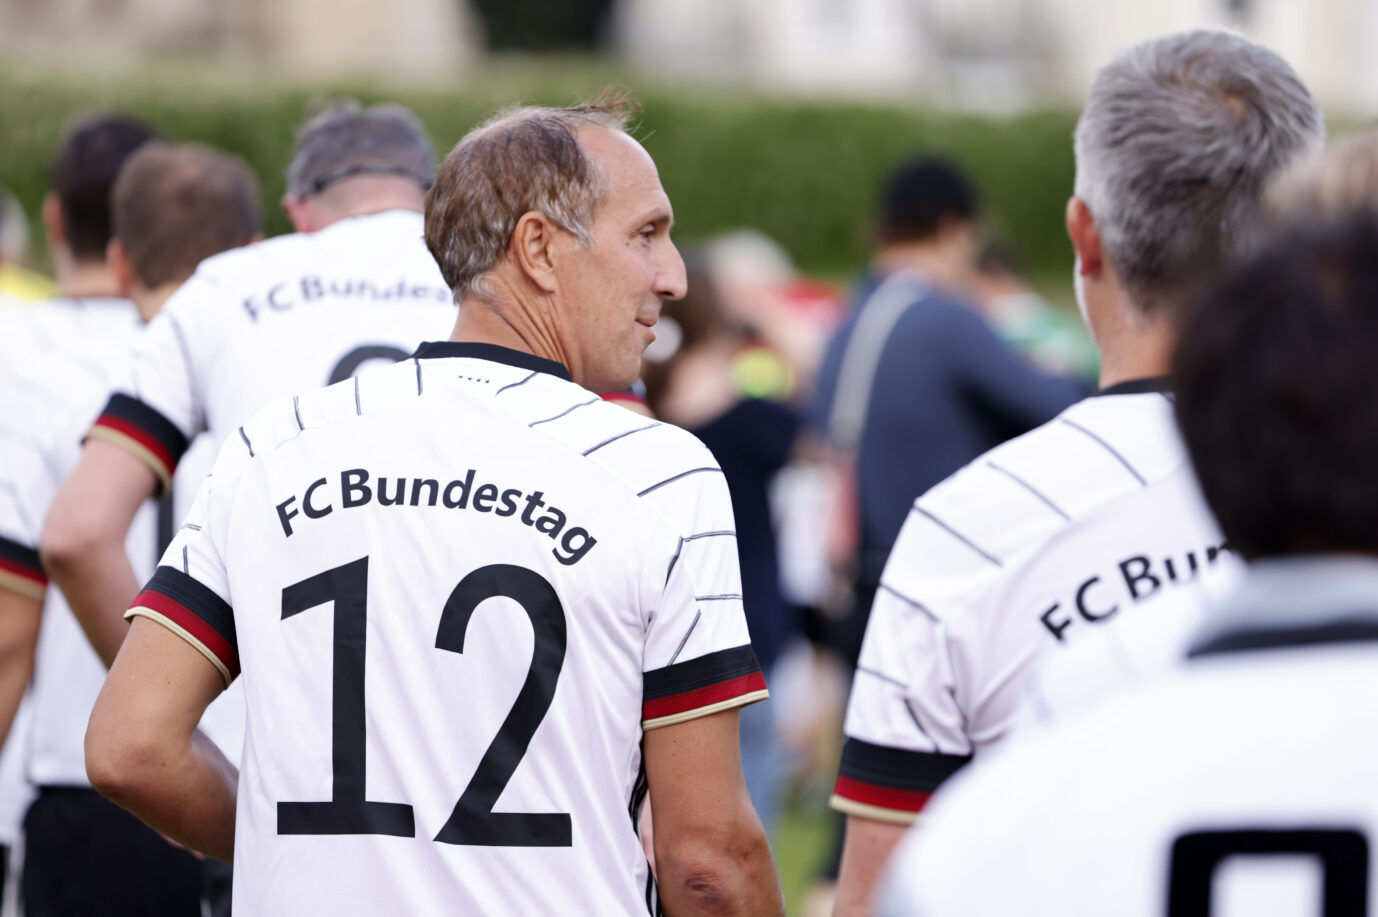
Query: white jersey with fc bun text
[[1239, 784], [458, 589], [52, 399], [284, 315], [1031, 546]]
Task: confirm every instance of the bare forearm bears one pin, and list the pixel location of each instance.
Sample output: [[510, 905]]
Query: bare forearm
[[99, 586], [189, 796], [19, 617], [867, 849]]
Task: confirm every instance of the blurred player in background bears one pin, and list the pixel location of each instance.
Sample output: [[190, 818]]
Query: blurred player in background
[[1039, 540], [1241, 782], [1343, 179], [465, 775], [353, 285], [171, 207], [18, 285]]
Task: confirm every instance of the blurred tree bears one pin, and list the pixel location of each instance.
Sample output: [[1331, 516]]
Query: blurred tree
[[544, 25]]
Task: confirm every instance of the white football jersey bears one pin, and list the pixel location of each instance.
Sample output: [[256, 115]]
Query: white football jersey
[[458, 589], [1021, 553], [51, 401], [287, 314], [1240, 783]]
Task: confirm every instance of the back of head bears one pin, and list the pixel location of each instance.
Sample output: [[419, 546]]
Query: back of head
[[175, 206], [521, 160], [1178, 139], [1341, 179], [919, 197], [347, 140], [1275, 393], [84, 172]]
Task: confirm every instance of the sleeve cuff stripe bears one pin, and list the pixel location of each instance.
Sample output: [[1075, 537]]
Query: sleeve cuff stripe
[[875, 813], [169, 610], [900, 769], [140, 437], [684, 716], [708, 695], [23, 585], [705, 671], [880, 797], [134, 448], [139, 611], [22, 561], [149, 421]]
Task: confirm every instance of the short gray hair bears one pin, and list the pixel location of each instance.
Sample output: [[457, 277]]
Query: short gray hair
[[1178, 139], [521, 160], [347, 140]]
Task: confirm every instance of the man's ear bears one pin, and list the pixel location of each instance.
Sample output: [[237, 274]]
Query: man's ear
[[118, 259], [1081, 229], [53, 223], [299, 213], [531, 246]]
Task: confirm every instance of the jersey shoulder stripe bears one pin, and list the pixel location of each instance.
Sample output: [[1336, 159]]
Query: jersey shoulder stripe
[[1009, 502], [142, 431], [189, 609], [20, 569], [890, 784]]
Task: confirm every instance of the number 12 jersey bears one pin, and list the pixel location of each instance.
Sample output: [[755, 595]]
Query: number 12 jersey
[[458, 589]]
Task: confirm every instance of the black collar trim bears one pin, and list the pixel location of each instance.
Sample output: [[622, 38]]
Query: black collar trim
[[492, 352], [1355, 629], [1160, 384]]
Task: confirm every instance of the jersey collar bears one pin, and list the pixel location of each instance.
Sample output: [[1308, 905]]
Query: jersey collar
[[493, 353], [1295, 602], [1160, 384]]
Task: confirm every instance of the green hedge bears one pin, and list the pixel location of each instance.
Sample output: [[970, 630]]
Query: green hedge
[[806, 173]]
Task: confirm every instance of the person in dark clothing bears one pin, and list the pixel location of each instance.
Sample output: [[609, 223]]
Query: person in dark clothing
[[752, 439], [914, 384]]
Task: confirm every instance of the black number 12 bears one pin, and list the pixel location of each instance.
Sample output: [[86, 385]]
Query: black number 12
[[473, 821]]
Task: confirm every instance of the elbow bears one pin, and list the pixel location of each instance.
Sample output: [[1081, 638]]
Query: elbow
[[717, 872], [117, 762], [67, 540]]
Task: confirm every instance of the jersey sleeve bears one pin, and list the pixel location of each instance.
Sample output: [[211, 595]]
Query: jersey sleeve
[[904, 731], [189, 593], [698, 657], [26, 491], [156, 410]]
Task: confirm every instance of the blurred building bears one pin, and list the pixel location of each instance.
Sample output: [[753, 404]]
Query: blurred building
[[986, 54], [404, 37]]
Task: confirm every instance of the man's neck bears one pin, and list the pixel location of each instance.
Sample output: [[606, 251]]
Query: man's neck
[[926, 260], [1133, 347], [87, 279], [150, 302], [517, 327]]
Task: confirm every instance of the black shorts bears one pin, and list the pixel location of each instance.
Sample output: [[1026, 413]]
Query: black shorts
[[84, 855]]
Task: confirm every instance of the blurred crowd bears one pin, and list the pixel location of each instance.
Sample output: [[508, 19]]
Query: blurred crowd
[[831, 411]]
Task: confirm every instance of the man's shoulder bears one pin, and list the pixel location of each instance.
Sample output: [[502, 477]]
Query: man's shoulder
[[1007, 504]]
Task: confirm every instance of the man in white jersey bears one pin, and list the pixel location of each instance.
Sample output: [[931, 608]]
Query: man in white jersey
[[480, 613], [1030, 546], [354, 284], [1240, 782], [170, 208]]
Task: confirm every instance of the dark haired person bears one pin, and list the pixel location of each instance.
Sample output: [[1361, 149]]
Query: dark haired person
[[171, 207], [354, 286], [478, 612], [1044, 540], [1240, 781]]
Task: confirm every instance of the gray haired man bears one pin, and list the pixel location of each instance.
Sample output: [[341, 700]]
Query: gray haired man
[[1040, 542]]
